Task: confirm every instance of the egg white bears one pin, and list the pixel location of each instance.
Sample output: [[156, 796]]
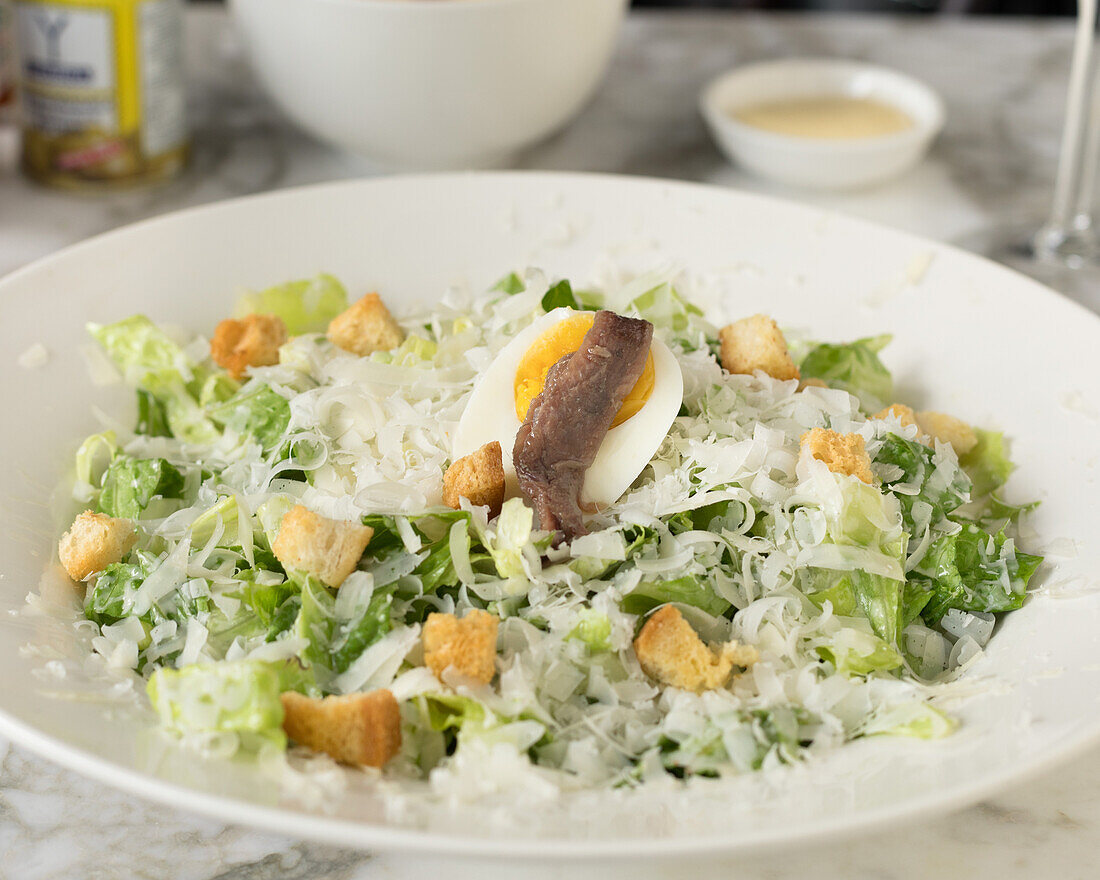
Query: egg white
[[490, 415]]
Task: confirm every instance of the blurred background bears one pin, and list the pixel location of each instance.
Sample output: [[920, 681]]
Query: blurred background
[[917, 7]]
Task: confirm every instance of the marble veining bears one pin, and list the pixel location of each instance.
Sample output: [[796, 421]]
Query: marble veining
[[1003, 83]]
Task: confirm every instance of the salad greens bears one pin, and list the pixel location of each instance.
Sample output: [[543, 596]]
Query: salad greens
[[851, 593]]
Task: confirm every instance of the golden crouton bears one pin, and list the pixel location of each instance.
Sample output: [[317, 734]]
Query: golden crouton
[[325, 548], [479, 477], [365, 327], [901, 412], [812, 382], [469, 644], [948, 429], [252, 341], [756, 343], [93, 542], [842, 453], [671, 652], [360, 729]]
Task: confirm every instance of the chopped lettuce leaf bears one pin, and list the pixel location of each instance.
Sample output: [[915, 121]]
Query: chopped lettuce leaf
[[918, 720], [513, 531], [217, 388], [868, 525], [225, 512], [240, 697], [594, 629], [453, 712], [987, 463], [106, 599], [186, 418], [262, 414], [306, 306], [860, 653], [663, 307], [152, 417], [94, 457], [996, 514], [265, 600], [510, 284], [151, 361], [974, 571], [336, 642], [943, 490], [854, 367], [131, 483], [687, 590], [560, 294], [139, 348], [413, 352]]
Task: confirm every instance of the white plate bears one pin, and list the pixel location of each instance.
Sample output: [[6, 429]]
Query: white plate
[[971, 338]]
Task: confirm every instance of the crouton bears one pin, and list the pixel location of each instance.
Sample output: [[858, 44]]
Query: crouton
[[479, 477], [812, 382], [93, 542], [901, 412], [672, 653], [756, 343], [360, 729], [252, 341], [842, 453], [469, 644], [948, 429], [365, 327], [325, 548]]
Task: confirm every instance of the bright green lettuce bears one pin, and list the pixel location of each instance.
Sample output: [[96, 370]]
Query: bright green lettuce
[[131, 483], [867, 524], [514, 527], [687, 590], [106, 600], [306, 306], [240, 697], [594, 629], [152, 416], [335, 643], [151, 361], [261, 414], [854, 367], [916, 463], [510, 284], [987, 463], [860, 653], [415, 351], [560, 294], [138, 347], [225, 512], [663, 307], [974, 571]]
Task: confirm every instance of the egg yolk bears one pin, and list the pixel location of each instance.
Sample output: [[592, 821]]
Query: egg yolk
[[564, 338]]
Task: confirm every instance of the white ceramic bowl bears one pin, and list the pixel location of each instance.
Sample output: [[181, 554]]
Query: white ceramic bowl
[[961, 326], [820, 163], [433, 84]]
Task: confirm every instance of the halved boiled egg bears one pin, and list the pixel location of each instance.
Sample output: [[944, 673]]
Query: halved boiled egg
[[513, 380]]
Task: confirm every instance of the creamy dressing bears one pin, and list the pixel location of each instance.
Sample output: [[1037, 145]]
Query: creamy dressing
[[826, 116]]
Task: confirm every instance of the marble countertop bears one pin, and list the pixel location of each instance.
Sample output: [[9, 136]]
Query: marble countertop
[[1004, 86]]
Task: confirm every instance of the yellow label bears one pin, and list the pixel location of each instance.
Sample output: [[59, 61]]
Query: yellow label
[[103, 88]]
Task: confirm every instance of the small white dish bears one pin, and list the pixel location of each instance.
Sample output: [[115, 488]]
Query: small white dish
[[812, 162]]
